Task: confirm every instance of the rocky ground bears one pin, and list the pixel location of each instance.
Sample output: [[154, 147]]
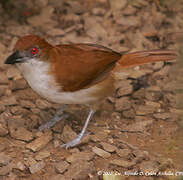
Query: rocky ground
[[138, 130]]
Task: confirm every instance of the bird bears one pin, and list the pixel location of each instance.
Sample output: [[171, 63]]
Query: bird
[[77, 73]]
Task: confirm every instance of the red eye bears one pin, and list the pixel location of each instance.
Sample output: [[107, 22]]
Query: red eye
[[34, 51]]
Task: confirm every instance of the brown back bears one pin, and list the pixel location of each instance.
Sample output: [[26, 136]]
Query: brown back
[[79, 66]]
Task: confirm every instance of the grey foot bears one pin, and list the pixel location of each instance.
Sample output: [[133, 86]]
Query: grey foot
[[74, 142], [58, 117], [52, 122]]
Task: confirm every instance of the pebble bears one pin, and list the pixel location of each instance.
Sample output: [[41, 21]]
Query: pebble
[[3, 78], [149, 166], [61, 167], [36, 167], [122, 104], [5, 170], [140, 155], [4, 159], [40, 142], [42, 154], [55, 32], [20, 133], [3, 130], [122, 163], [139, 126], [42, 104], [140, 94], [108, 147], [27, 104], [145, 109], [162, 115], [124, 153], [57, 177], [86, 156], [117, 5], [14, 73], [125, 88], [101, 152], [9, 101], [80, 170], [21, 166], [18, 84], [153, 95], [68, 134], [129, 114]]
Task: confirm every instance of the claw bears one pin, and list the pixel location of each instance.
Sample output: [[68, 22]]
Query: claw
[[74, 142]]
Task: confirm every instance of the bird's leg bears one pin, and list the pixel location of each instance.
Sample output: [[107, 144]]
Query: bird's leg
[[82, 133], [56, 118]]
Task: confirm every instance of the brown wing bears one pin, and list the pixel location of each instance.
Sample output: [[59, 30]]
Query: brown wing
[[79, 66]]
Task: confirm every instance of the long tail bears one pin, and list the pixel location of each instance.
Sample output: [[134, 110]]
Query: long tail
[[144, 57]]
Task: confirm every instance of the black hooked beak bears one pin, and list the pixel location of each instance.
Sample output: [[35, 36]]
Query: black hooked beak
[[14, 58]]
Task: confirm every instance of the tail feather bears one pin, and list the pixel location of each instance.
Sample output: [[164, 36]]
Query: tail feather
[[144, 57]]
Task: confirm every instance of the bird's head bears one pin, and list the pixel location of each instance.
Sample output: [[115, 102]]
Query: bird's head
[[29, 47]]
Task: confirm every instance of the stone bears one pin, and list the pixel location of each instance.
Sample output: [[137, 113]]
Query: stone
[[96, 31], [9, 101], [77, 8], [20, 133], [36, 167], [27, 104], [44, 19], [57, 177], [3, 78], [125, 88], [5, 170], [85, 156], [149, 166], [145, 109], [20, 166], [98, 136], [42, 104], [98, 11], [14, 73], [3, 130], [56, 32], [153, 95], [129, 114], [2, 108], [117, 5], [61, 166], [163, 116], [18, 84], [153, 104], [130, 21], [3, 89], [80, 170], [140, 155], [108, 147], [138, 126], [68, 134], [139, 94], [129, 11], [42, 154], [18, 30], [122, 163], [4, 159], [2, 48], [101, 152], [122, 104], [40, 142], [124, 153]]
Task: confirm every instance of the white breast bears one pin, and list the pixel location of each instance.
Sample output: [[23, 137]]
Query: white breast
[[36, 74]]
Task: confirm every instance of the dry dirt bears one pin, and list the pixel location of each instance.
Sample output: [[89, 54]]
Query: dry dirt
[[138, 134]]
